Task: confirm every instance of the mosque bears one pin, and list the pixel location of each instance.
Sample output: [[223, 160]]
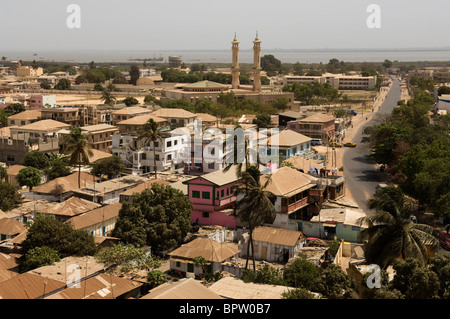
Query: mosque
[[212, 90]]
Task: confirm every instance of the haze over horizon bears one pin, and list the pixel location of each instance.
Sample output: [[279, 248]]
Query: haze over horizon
[[136, 25]]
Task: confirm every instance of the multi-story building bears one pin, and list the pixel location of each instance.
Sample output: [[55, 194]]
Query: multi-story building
[[287, 143], [319, 127], [100, 136], [338, 81], [176, 117], [134, 124], [65, 114], [128, 112], [213, 196], [29, 71], [141, 157], [42, 135], [38, 101], [24, 118]]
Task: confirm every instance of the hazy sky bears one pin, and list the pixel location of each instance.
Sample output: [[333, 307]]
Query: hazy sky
[[210, 24]]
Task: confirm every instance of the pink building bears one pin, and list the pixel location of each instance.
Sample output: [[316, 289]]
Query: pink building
[[39, 100], [213, 197]]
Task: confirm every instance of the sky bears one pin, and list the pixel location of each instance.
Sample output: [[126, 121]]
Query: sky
[[210, 24]]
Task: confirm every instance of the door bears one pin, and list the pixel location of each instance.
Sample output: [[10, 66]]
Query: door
[[263, 252]]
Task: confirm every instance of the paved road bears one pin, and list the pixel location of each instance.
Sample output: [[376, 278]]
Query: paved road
[[361, 175]]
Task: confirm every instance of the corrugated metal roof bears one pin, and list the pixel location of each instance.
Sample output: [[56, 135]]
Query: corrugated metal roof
[[102, 286], [65, 184], [9, 226], [287, 181], [28, 286], [207, 248], [71, 207], [277, 236], [187, 288], [95, 216]]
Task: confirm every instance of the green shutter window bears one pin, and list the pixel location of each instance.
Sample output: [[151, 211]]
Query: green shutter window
[[196, 194], [190, 267], [178, 264], [206, 195]]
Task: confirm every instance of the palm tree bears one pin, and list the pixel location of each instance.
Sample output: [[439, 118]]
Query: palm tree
[[107, 97], [239, 153], [150, 132], [78, 145], [256, 207], [392, 233]]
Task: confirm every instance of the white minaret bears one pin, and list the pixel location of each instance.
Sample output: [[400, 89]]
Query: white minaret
[[235, 65], [256, 64]]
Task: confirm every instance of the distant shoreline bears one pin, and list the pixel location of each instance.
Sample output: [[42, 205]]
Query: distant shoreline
[[246, 55]]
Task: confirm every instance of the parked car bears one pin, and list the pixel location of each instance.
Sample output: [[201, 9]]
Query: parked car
[[350, 144], [334, 144], [444, 240]]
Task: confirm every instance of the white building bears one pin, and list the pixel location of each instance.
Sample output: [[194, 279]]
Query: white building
[[143, 73], [141, 157], [338, 81]]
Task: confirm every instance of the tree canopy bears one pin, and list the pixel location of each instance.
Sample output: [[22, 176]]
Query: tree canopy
[[159, 217]]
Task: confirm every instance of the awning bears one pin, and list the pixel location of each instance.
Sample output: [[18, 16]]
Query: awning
[[329, 225]]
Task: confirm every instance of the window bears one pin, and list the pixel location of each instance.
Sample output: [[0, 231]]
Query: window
[[211, 165], [12, 121], [228, 191], [157, 157], [22, 122], [175, 142], [178, 264], [169, 157], [222, 192], [206, 195], [169, 144], [156, 144], [190, 267], [205, 214], [144, 156], [195, 194], [218, 194]]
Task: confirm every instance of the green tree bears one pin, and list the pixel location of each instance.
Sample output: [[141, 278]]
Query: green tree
[[77, 145], [387, 64], [333, 283], [9, 197], [59, 236], [392, 233], [134, 74], [127, 259], [159, 217], [39, 257], [58, 167], [80, 79], [63, 84], [30, 177], [14, 108], [36, 159], [262, 120], [443, 90], [107, 97], [298, 293], [45, 85], [151, 133], [256, 206], [3, 173], [110, 166], [301, 273], [265, 275], [98, 87], [424, 284], [156, 278], [281, 103], [130, 101]]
